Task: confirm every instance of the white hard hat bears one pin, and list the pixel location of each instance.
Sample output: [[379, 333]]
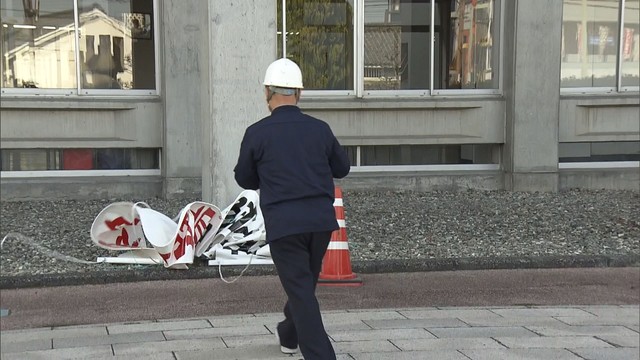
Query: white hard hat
[[283, 73]]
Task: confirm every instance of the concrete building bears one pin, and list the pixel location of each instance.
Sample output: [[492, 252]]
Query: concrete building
[[140, 98]]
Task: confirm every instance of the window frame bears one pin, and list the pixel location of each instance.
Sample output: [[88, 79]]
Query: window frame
[[621, 88], [618, 88], [424, 168], [359, 91], [599, 165], [78, 173], [79, 92]]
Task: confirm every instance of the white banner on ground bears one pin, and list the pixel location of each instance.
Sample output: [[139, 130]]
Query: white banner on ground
[[234, 236]]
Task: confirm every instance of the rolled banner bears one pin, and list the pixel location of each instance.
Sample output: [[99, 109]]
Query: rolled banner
[[176, 242], [243, 223], [117, 227]]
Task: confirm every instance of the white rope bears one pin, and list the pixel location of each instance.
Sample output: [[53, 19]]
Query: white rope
[[54, 254], [237, 277]]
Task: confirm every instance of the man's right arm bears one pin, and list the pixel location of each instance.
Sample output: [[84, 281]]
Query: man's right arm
[[246, 173]]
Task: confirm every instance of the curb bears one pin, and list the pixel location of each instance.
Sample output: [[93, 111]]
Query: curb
[[498, 263], [361, 266]]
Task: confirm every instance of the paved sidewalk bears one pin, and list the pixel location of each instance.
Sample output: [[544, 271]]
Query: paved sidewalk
[[478, 333]]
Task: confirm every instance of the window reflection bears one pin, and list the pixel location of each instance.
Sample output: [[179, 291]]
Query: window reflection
[[465, 44], [397, 53], [599, 151], [631, 44], [116, 44], [589, 43], [116, 47], [394, 155], [396, 44], [79, 159], [319, 37], [30, 159], [38, 47]]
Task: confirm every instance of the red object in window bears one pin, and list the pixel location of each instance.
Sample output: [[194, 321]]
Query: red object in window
[[77, 159]]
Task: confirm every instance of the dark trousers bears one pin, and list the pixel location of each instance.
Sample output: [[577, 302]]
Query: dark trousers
[[298, 259]]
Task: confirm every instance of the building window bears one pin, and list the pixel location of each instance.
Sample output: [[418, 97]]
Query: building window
[[318, 35], [414, 46], [600, 44], [108, 46], [418, 155], [79, 159], [599, 151], [630, 45]]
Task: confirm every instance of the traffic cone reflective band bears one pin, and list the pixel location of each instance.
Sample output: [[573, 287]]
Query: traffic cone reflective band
[[336, 265]]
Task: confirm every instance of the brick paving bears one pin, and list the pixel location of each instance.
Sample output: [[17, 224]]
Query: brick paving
[[443, 333]]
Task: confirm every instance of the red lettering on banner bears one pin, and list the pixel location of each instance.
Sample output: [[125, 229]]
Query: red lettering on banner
[[179, 246], [202, 217], [123, 238], [165, 257], [120, 221]]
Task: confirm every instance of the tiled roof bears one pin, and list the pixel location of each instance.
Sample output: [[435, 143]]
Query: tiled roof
[[382, 45]]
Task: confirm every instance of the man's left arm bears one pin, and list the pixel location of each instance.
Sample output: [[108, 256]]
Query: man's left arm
[[339, 160]]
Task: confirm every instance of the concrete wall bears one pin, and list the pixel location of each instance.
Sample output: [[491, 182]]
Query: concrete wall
[[63, 123], [242, 44], [599, 118], [185, 63], [445, 181], [612, 179], [391, 122], [92, 187], [532, 89]]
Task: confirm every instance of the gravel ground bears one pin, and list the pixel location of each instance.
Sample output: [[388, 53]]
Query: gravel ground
[[380, 226]]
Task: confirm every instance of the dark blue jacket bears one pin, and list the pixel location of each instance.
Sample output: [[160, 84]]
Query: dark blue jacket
[[292, 158]]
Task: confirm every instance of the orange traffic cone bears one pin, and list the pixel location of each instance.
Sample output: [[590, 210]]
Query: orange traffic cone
[[336, 265]]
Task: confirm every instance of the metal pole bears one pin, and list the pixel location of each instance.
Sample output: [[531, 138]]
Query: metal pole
[[620, 46], [76, 21], [284, 28]]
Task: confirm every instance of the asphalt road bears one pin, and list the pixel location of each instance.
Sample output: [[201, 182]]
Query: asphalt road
[[98, 304]]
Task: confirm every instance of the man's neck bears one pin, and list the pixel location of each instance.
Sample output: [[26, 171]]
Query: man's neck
[[276, 104]]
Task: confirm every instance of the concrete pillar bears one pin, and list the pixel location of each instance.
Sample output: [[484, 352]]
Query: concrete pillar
[[532, 89], [185, 35], [242, 44]]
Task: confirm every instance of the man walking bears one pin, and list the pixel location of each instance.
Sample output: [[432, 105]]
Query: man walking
[[292, 158]]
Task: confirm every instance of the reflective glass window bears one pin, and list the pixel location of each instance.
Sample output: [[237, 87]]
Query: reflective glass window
[[590, 32], [397, 47], [112, 46], [466, 49], [116, 44], [38, 44], [396, 38], [599, 151], [79, 159], [30, 159], [631, 44], [391, 155], [319, 36]]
